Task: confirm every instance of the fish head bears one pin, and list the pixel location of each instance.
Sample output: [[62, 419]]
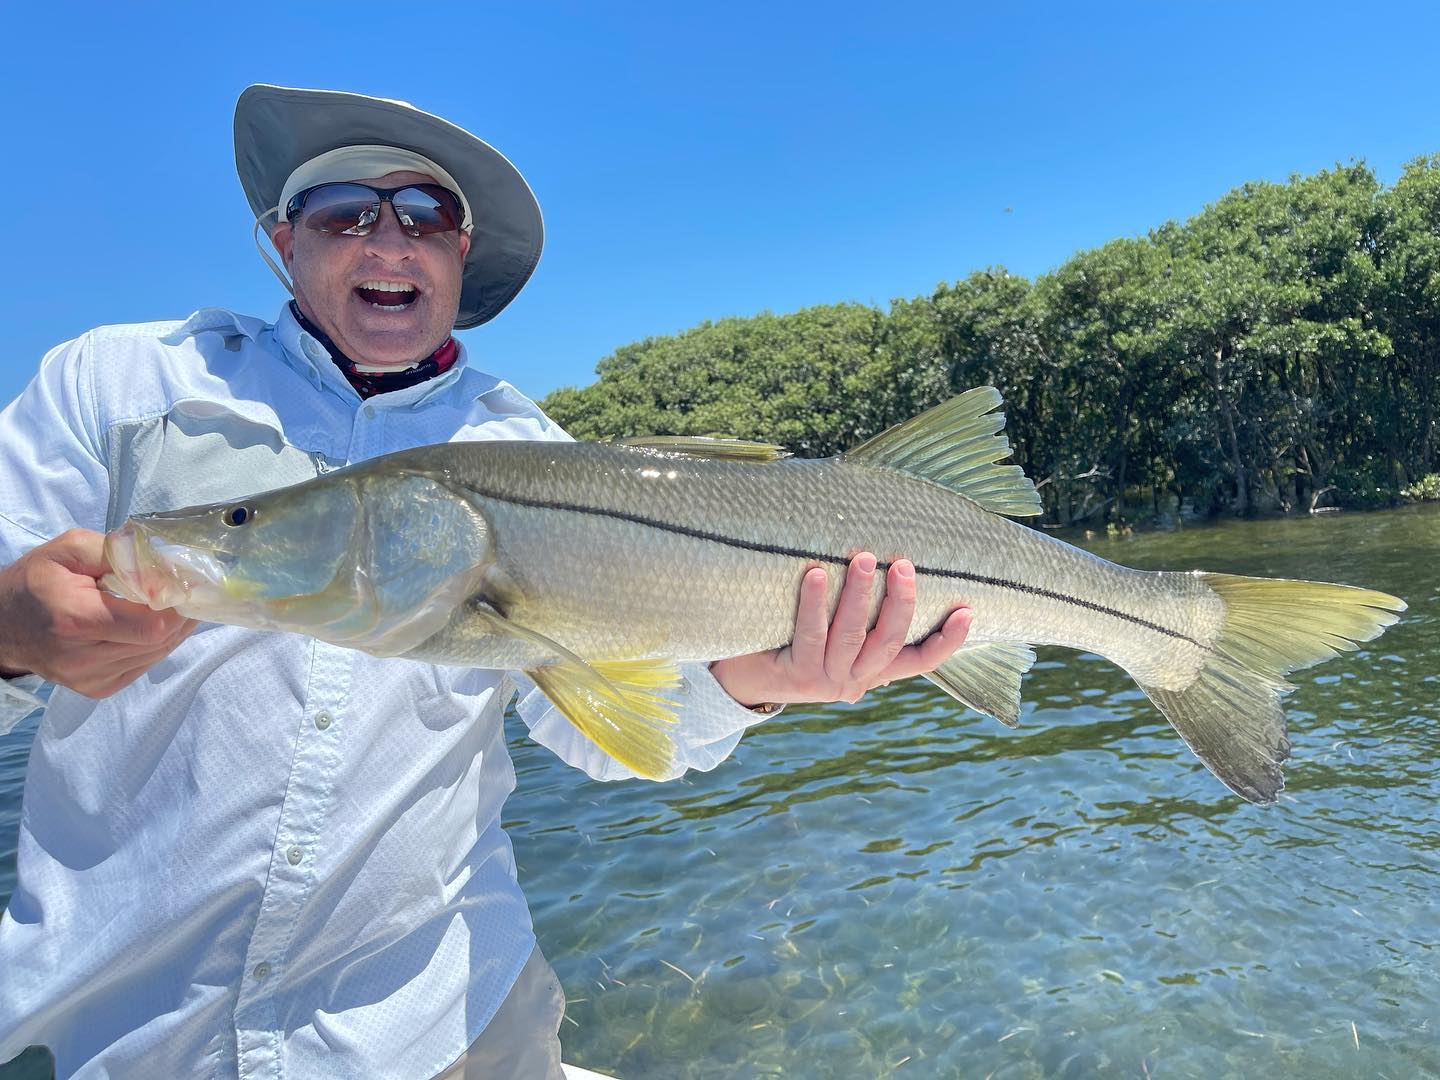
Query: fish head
[[376, 557], [259, 561]]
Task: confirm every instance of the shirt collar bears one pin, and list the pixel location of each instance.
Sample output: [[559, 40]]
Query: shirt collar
[[304, 353]]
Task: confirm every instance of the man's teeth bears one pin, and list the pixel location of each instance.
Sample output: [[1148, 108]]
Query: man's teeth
[[404, 293]]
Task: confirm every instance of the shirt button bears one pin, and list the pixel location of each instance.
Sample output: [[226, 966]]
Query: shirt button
[[322, 720], [261, 970], [294, 855]]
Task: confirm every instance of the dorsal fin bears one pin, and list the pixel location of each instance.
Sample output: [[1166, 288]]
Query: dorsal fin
[[958, 444], [705, 446]]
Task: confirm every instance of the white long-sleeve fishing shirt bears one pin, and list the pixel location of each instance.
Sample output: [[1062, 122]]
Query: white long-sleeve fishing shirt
[[270, 856]]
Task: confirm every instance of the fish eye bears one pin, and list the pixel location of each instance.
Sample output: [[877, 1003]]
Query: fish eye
[[237, 516]]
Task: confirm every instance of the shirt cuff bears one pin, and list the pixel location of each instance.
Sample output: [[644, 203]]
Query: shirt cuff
[[19, 697]]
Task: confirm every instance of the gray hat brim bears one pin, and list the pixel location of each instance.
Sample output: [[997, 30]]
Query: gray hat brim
[[278, 129]]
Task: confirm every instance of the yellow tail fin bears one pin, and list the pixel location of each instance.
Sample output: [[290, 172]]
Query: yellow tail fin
[[1230, 716]]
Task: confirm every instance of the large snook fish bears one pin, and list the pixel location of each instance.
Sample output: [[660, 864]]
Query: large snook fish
[[596, 567]]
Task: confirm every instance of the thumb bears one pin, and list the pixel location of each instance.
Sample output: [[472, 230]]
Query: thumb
[[81, 551]]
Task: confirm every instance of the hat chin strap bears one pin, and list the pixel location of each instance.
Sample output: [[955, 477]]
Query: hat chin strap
[[275, 269]]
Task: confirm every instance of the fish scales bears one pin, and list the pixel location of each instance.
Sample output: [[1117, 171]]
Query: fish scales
[[615, 552]]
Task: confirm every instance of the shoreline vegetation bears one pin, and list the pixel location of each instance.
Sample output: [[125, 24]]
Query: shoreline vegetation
[[1277, 352]]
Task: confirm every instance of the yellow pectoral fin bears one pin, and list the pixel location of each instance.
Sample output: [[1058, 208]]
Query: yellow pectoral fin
[[641, 677], [615, 704]]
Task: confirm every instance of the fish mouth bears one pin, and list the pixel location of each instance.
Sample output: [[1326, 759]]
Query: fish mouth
[[148, 570]]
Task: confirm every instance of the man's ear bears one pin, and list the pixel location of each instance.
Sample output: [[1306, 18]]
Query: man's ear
[[464, 244], [283, 237]]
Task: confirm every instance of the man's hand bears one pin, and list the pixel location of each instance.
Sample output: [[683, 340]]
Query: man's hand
[[56, 622], [836, 659]]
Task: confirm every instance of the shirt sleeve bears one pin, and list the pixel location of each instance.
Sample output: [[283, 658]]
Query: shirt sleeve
[[52, 478], [21, 697], [52, 468], [708, 727]]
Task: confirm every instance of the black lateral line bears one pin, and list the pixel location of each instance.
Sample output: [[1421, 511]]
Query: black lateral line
[[801, 553]]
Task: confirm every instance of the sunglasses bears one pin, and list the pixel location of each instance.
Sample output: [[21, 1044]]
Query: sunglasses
[[351, 209]]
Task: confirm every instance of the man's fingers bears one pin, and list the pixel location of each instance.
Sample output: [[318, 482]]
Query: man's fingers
[[148, 654], [102, 686], [94, 670], [929, 654], [99, 669], [852, 618], [61, 625], [116, 619], [892, 626], [812, 617]]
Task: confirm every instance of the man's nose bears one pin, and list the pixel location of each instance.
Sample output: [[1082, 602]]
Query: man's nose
[[387, 236]]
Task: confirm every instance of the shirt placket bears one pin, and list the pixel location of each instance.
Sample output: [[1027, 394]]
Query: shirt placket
[[313, 769]]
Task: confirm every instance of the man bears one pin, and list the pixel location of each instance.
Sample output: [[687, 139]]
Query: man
[[256, 854]]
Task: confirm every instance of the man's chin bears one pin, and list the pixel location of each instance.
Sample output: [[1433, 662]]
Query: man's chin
[[389, 338]]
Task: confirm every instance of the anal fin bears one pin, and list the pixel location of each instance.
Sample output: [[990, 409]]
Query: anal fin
[[987, 678]]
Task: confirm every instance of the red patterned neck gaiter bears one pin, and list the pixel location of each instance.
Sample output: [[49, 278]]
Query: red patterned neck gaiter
[[369, 383]]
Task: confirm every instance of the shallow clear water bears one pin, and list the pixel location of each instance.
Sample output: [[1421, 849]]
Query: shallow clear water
[[897, 888]]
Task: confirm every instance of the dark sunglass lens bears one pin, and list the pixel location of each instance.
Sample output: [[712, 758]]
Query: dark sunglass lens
[[341, 208], [425, 209]]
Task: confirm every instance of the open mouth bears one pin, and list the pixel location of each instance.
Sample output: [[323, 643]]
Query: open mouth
[[150, 571], [387, 295]]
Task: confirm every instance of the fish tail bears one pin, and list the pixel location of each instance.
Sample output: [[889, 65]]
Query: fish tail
[[1230, 714]]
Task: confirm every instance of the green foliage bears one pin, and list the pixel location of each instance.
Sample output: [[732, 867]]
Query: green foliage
[[1279, 350], [1426, 489], [793, 379]]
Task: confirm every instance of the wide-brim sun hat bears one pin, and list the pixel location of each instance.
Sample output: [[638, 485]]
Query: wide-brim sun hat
[[279, 128]]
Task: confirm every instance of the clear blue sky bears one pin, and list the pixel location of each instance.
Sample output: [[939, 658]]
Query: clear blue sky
[[693, 161]]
